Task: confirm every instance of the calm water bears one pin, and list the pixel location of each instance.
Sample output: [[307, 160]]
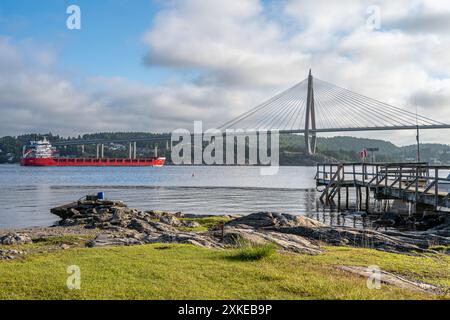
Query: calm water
[[28, 193]]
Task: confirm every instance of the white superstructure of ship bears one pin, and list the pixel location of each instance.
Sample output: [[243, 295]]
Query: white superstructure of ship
[[38, 149]]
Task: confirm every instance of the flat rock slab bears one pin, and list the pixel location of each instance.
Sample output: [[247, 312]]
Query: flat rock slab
[[392, 279], [316, 233], [103, 240], [371, 239], [273, 219], [120, 225], [286, 242]]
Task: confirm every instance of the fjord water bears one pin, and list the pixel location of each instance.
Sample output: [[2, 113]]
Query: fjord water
[[28, 193]]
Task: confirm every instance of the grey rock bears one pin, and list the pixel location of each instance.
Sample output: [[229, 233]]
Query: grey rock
[[393, 279], [347, 236], [185, 238], [170, 220], [15, 239], [125, 226], [76, 222], [286, 242], [120, 216], [74, 212], [141, 226], [154, 214], [103, 210], [190, 224], [7, 254], [103, 218], [67, 222], [273, 219], [104, 240]]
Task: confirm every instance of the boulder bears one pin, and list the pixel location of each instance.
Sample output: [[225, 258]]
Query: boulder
[[162, 227], [15, 239], [72, 212], [154, 214], [102, 217], [141, 226], [170, 220], [120, 216], [190, 224]]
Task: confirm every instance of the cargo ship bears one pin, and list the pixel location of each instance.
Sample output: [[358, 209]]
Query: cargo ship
[[42, 154]]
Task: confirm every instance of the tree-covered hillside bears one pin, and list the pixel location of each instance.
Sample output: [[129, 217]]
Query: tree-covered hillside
[[291, 148]]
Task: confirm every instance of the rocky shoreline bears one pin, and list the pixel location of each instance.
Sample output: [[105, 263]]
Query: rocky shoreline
[[113, 223]]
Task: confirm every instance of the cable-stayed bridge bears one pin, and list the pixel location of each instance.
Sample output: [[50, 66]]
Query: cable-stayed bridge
[[314, 106], [310, 107]]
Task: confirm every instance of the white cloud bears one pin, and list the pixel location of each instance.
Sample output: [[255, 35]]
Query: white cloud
[[33, 98], [239, 53], [252, 51]]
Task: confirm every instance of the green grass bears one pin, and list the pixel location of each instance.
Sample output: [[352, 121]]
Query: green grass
[[254, 252], [429, 268], [188, 272]]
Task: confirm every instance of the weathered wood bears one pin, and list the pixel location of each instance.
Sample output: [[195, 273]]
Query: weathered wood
[[367, 199], [346, 197], [391, 181]]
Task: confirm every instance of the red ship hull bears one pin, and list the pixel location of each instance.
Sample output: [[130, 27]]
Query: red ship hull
[[86, 162]]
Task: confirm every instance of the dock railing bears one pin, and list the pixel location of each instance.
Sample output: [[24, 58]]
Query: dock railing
[[411, 181]]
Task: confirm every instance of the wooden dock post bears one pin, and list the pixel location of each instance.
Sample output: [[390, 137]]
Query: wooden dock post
[[346, 197], [339, 199], [357, 199], [367, 199], [360, 198], [436, 189]]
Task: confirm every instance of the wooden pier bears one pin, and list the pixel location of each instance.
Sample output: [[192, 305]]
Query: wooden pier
[[418, 183]]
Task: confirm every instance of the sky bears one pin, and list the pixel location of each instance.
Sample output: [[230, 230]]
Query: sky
[[158, 65]]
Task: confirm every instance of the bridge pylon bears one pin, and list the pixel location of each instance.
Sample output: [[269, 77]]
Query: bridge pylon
[[310, 119]]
